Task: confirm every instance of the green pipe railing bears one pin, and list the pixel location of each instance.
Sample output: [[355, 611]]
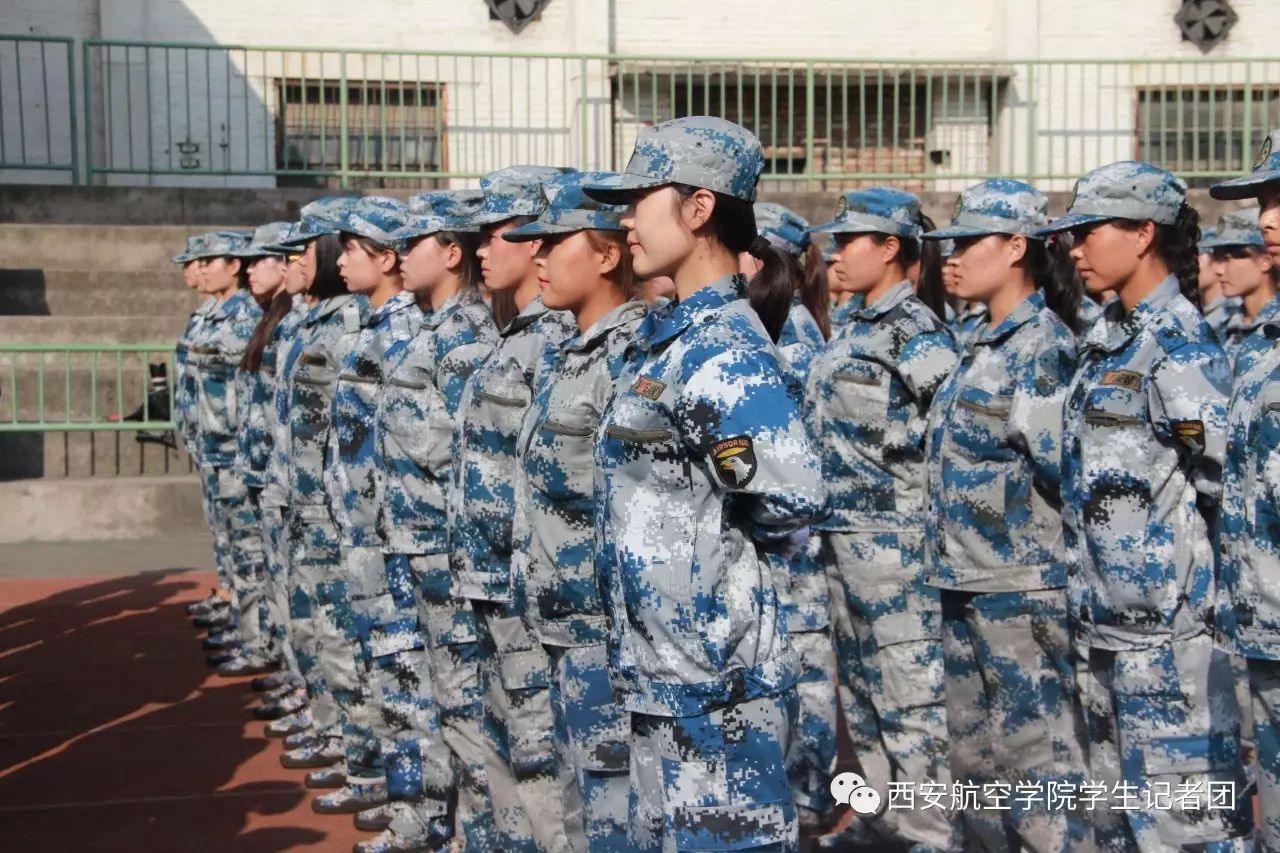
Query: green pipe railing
[[85, 387], [38, 116], [325, 115]]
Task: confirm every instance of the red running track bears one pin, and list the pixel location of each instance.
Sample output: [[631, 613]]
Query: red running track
[[115, 736]]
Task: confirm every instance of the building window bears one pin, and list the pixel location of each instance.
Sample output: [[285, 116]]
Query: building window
[[391, 127], [1200, 132], [888, 123]]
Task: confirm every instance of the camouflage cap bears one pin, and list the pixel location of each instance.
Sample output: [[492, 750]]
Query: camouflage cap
[[195, 245], [569, 209], [375, 217], [318, 218], [1130, 190], [286, 243], [220, 244], [829, 255], [265, 240], [513, 191], [1266, 170], [441, 210], [877, 210], [782, 227], [1236, 228], [999, 206], [698, 151]]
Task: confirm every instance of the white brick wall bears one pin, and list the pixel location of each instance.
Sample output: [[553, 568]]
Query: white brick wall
[[501, 111]]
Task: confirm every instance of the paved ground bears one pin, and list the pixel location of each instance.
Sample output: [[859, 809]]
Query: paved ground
[[114, 735]]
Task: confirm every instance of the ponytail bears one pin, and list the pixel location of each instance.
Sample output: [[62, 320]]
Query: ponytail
[[814, 292], [1176, 245], [279, 306], [503, 305], [1055, 276], [733, 225]]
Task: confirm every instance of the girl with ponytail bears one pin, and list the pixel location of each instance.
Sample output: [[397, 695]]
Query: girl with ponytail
[[993, 533], [704, 467], [868, 394], [1143, 443]]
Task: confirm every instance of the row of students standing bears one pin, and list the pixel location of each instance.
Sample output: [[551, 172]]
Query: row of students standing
[[579, 582]]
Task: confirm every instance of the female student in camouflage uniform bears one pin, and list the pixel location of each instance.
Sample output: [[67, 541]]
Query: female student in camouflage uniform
[[703, 464], [1143, 447], [993, 528], [1248, 615], [584, 268], [514, 669], [1246, 272], [429, 690], [869, 392]]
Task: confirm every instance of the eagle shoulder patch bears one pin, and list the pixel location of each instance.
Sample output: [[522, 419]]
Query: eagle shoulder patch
[[734, 460]]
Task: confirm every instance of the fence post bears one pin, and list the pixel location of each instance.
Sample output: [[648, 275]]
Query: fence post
[[344, 162], [71, 112], [809, 128], [584, 131], [1246, 144], [87, 69], [1031, 123]]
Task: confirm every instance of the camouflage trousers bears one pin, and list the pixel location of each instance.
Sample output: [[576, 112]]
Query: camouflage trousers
[[518, 731], [1264, 689], [1013, 717], [316, 603], [248, 570], [811, 757], [276, 550], [886, 627], [592, 735], [362, 728], [449, 629], [221, 540], [1163, 724], [717, 781]]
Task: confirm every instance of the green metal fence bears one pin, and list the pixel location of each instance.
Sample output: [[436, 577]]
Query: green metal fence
[[187, 113], [85, 387], [38, 133]]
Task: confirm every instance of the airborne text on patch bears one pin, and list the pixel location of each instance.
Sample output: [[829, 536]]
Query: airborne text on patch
[[734, 460], [649, 388], [1124, 379]]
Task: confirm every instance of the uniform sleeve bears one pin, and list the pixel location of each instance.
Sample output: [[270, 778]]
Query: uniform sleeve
[[457, 361], [1036, 413], [1188, 394], [925, 363], [738, 419]]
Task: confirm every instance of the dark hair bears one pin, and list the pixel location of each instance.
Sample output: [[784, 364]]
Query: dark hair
[[1176, 245], [469, 270], [733, 225], [623, 275], [814, 291], [372, 247], [928, 253], [1055, 276], [502, 303], [327, 282], [279, 306]]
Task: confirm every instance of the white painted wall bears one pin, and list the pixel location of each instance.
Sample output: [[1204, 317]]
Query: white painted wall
[[501, 110]]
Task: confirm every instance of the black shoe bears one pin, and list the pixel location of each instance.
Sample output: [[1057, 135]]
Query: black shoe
[[375, 819], [217, 620], [265, 683], [326, 778], [220, 641], [267, 713], [217, 659]]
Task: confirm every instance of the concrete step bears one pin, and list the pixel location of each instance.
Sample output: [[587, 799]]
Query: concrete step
[[133, 329], [100, 508], [109, 453], [94, 293], [93, 247]]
